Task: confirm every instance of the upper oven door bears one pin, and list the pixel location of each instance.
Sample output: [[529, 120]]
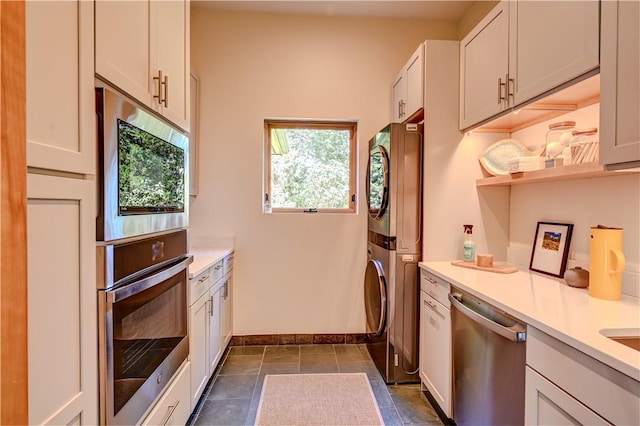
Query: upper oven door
[[143, 165]]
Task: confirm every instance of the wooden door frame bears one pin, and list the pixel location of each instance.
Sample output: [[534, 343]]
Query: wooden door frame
[[13, 216]]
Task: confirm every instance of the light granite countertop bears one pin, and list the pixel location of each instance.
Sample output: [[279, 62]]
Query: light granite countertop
[[569, 314], [204, 258]]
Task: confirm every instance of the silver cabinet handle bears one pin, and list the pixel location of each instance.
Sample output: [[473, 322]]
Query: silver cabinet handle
[[510, 83], [172, 408], [431, 305], [515, 333], [159, 82], [166, 91], [431, 280], [203, 279], [211, 306], [217, 267], [500, 86]]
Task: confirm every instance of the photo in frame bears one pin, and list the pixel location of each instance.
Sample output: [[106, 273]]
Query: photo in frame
[[551, 248]]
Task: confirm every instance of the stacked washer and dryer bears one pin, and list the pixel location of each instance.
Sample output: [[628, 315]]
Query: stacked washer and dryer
[[391, 284]]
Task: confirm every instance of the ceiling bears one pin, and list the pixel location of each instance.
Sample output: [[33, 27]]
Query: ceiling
[[450, 11]]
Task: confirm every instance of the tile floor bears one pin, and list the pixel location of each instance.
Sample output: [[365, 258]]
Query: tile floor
[[234, 393]]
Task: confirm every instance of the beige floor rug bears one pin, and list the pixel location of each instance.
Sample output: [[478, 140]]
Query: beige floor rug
[[318, 399]]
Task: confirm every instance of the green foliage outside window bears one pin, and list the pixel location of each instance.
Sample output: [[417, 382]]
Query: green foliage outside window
[[314, 172], [151, 171]]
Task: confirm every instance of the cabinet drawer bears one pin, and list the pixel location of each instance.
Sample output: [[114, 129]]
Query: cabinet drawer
[[606, 391], [227, 264], [174, 406], [217, 271], [435, 287], [199, 285]]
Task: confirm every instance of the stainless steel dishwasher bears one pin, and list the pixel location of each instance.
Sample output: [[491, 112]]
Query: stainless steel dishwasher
[[488, 363]]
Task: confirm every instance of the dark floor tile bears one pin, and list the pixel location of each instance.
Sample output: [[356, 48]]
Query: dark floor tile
[[280, 354], [241, 364], [318, 363], [412, 405], [237, 341], [224, 412], [286, 339], [304, 339], [355, 338], [316, 349], [261, 339], [251, 418], [350, 353], [381, 393], [390, 416], [246, 350], [323, 339], [280, 368], [358, 367], [233, 387]]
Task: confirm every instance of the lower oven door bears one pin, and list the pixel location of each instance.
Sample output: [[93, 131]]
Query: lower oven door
[[143, 341]]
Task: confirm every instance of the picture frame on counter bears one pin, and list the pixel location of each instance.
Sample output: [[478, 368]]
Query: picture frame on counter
[[551, 248]]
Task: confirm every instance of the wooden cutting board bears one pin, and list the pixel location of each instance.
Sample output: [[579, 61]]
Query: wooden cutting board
[[497, 267]]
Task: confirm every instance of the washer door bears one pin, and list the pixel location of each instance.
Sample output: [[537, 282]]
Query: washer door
[[377, 181], [375, 297]]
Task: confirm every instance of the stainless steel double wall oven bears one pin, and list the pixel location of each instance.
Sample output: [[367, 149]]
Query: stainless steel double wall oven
[[142, 256]]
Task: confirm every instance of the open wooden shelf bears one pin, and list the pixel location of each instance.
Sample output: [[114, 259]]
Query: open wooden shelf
[[571, 172]]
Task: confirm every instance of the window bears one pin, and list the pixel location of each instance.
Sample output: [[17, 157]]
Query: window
[[310, 166]]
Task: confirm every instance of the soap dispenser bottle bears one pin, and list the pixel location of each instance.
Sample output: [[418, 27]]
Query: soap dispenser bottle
[[469, 246]]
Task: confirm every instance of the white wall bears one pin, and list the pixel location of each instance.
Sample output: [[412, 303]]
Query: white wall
[[293, 273], [610, 201]]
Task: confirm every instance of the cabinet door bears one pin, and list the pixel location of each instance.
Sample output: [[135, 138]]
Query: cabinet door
[[227, 311], [552, 42], [170, 47], [62, 300], [122, 46], [60, 82], [484, 62], [199, 346], [399, 89], [547, 404], [620, 85], [215, 327], [414, 87], [435, 351]]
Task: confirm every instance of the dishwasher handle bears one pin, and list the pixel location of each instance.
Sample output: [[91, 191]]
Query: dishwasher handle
[[515, 333]]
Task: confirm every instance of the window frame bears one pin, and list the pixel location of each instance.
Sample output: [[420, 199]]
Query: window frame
[[318, 124]]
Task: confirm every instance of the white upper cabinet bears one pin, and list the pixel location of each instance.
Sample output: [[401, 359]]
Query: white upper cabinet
[[620, 84], [60, 98], [408, 88], [523, 50], [484, 63], [142, 47], [551, 43]]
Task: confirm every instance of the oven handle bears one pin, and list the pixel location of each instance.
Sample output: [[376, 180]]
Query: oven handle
[[148, 282]]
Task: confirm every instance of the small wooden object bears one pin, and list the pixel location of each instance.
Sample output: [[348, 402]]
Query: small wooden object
[[484, 260], [498, 268]]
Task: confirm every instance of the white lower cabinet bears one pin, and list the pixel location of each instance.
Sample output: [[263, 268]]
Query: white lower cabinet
[[215, 327], [547, 404], [198, 346], [173, 408], [435, 340], [566, 386], [62, 320], [210, 323]]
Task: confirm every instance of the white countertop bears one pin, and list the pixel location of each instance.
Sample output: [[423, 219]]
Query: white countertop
[[569, 314], [204, 258]]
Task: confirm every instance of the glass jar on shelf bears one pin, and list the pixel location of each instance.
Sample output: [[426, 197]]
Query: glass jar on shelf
[[584, 146], [557, 138]]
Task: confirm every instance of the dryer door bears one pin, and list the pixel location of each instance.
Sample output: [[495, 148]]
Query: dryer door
[[375, 297], [377, 182]]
